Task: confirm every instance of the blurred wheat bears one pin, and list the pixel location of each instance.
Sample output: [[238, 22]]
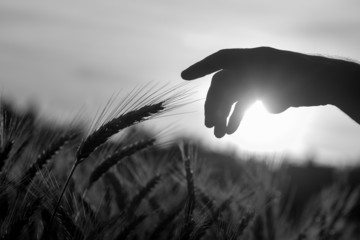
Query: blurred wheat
[[139, 189]]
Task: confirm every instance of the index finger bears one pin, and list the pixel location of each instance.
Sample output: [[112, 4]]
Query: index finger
[[220, 60]]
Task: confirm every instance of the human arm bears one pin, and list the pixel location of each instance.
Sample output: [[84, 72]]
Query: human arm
[[281, 79]]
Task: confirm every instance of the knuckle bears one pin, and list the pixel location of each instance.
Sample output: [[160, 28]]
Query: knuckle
[[223, 54], [265, 49]]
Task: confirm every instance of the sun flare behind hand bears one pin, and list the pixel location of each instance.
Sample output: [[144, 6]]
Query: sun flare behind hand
[[256, 112], [262, 131]]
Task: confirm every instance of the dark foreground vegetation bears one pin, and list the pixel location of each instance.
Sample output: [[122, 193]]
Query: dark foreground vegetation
[[135, 188]]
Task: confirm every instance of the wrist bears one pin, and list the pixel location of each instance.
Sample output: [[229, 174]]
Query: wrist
[[342, 85]]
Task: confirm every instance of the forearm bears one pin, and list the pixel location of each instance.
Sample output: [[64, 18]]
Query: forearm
[[337, 82], [313, 80], [346, 91]]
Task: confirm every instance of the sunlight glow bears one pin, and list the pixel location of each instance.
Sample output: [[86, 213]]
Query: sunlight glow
[[262, 131], [256, 112]]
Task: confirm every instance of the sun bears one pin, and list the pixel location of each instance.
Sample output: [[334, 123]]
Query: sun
[[255, 124], [262, 131], [256, 112]]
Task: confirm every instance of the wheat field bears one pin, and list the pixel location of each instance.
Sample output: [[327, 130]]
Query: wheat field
[[70, 183]]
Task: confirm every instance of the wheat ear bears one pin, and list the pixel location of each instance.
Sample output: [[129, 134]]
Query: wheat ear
[[116, 157], [163, 224], [44, 157], [190, 188], [115, 125], [130, 227], [190, 203], [19, 224], [200, 229], [143, 193], [105, 132], [120, 192], [4, 153], [146, 106], [70, 226]]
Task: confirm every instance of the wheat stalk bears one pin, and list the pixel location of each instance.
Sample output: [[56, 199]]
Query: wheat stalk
[[161, 226], [140, 105], [70, 226], [206, 200], [190, 203], [89, 213], [144, 191], [130, 227], [120, 193], [244, 222], [19, 224], [115, 125], [44, 157], [200, 229], [17, 153], [4, 154], [116, 157], [191, 190], [105, 207], [143, 108]]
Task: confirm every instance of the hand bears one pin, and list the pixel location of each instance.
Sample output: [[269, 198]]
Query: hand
[[281, 79]]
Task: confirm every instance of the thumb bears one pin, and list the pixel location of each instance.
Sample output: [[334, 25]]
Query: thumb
[[235, 119], [237, 115]]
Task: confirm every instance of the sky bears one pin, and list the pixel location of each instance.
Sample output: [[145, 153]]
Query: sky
[[66, 56]]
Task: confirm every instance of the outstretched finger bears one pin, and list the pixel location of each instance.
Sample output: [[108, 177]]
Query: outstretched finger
[[218, 104], [222, 59], [216, 116]]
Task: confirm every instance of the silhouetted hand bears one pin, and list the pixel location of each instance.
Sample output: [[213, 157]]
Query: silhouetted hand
[[281, 79]]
